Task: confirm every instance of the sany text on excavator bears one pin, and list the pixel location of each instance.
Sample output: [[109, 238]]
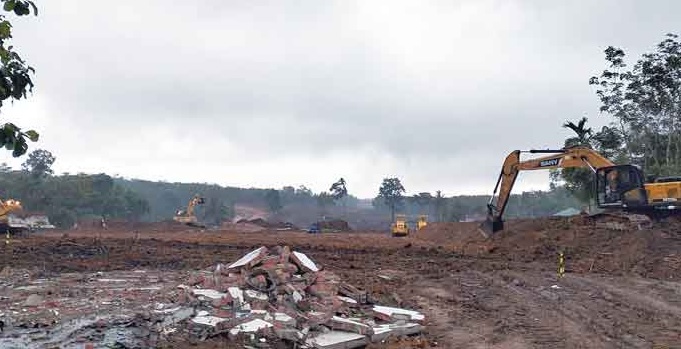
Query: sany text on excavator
[[187, 217], [617, 187]]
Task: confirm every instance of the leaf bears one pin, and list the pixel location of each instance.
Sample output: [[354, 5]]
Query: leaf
[[5, 30], [32, 135], [9, 5], [35, 8]]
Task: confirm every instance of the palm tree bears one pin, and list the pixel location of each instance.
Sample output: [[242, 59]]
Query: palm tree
[[584, 134]]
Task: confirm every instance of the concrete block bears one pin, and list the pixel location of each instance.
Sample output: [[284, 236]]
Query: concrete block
[[303, 262], [337, 340], [339, 323], [250, 327], [250, 259], [208, 293], [208, 320], [390, 313]]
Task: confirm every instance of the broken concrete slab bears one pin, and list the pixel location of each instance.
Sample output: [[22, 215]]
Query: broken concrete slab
[[390, 313], [250, 259], [208, 320], [212, 294], [250, 327], [338, 340], [339, 323], [304, 261]]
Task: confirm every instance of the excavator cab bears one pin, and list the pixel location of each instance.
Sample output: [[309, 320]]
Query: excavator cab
[[621, 186]]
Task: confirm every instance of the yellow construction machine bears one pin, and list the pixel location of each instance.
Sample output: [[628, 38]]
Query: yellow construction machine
[[187, 216], [7, 207], [400, 227], [621, 190], [422, 222]]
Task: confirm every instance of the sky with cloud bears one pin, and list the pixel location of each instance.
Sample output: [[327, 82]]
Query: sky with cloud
[[275, 93]]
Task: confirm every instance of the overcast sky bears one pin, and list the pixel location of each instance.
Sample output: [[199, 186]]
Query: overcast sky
[[274, 93]]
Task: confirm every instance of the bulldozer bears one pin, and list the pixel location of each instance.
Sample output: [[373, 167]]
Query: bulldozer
[[187, 216], [621, 190], [422, 222], [400, 227]]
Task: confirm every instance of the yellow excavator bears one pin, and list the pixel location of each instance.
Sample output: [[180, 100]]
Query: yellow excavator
[[7, 207], [187, 216], [619, 188]]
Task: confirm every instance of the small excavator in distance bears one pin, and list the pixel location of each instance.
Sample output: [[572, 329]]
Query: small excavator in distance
[[188, 217], [619, 188]]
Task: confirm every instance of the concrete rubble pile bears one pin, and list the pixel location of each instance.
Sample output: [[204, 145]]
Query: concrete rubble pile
[[279, 294]]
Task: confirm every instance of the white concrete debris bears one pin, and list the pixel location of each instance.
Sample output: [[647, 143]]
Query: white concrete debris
[[213, 294], [249, 327], [390, 311], [305, 261], [338, 340], [251, 256]]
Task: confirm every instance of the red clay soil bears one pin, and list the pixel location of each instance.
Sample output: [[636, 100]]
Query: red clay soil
[[621, 289]]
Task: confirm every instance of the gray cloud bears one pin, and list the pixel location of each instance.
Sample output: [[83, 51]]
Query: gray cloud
[[437, 92]]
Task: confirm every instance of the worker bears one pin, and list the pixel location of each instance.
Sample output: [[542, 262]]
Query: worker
[[612, 188], [103, 222]]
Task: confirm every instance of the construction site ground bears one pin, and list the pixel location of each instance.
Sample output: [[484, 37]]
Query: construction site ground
[[621, 287]]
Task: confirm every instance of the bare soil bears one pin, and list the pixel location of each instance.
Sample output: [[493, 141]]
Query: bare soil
[[621, 289]]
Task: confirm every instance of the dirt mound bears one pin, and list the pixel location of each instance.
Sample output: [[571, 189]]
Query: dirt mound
[[462, 237], [334, 224], [652, 252]]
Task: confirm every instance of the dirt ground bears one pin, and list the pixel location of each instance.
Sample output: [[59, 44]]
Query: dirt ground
[[621, 289]]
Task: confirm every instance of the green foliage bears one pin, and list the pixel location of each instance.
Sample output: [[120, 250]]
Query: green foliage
[[390, 192], [216, 210], [39, 163], [69, 197], [324, 201], [273, 200], [15, 78], [646, 103]]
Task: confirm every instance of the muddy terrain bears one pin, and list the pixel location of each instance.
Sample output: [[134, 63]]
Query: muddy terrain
[[621, 287]]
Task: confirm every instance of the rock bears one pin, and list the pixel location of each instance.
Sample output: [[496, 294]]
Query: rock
[[33, 300]]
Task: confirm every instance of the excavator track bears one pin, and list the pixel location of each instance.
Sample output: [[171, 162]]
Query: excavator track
[[619, 220]]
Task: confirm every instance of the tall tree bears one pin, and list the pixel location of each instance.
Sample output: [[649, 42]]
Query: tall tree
[[273, 200], [583, 133], [324, 200], [39, 163], [646, 103], [15, 78], [440, 206], [578, 181], [391, 191]]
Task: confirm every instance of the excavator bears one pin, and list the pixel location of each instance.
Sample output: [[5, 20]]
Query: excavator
[[621, 190], [7, 207], [187, 217]]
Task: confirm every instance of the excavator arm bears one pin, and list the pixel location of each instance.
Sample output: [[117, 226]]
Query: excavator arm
[[192, 204], [8, 206], [582, 157]]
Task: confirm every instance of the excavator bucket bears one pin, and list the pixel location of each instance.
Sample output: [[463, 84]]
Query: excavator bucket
[[490, 226]]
